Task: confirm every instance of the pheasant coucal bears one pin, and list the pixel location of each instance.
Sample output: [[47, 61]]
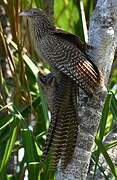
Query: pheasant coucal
[[66, 54]]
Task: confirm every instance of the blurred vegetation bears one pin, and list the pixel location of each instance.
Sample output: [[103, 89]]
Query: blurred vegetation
[[23, 108]]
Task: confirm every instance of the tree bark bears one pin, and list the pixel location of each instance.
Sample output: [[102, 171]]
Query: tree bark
[[103, 37]]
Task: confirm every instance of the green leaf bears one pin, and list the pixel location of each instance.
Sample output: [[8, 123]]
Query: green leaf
[[107, 158], [29, 146], [99, 137], [35, 71], [111, 145], [113, 106], [85, 32], [33, 168], [104, 117], [102, 170], [8, 150], [39, 3]]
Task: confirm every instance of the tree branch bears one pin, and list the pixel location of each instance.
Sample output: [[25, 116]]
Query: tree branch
[[103, 37]]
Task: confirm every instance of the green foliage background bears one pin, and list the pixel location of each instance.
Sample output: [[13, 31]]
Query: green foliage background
[[23, 108]]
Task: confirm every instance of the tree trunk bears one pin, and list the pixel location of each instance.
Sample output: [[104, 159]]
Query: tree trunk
[[103, 37]]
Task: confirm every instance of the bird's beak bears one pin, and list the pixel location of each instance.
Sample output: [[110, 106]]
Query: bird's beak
[[25, 13]]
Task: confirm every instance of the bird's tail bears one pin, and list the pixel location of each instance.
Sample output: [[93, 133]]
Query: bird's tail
[[62, 133]]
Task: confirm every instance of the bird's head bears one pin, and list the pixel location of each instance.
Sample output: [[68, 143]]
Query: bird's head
[[33, 13], [37, 16]]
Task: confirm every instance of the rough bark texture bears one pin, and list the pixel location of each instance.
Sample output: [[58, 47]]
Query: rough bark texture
[[103, 37]]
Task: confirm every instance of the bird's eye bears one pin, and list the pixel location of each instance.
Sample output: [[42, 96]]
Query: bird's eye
[[34, 12]]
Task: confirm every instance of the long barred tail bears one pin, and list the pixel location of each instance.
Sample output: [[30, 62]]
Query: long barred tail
[[72, 117], [62, 133]]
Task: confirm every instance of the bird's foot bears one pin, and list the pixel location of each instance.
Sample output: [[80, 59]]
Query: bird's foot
[[47, 79]]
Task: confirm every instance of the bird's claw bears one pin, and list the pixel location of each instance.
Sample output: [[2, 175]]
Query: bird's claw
[[47, 79]]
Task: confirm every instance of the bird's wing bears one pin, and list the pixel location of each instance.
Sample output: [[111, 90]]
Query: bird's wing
[[66, 53], [83, 70], [73, 39]]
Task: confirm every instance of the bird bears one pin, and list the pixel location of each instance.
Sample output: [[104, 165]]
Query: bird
[[66, 54]]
